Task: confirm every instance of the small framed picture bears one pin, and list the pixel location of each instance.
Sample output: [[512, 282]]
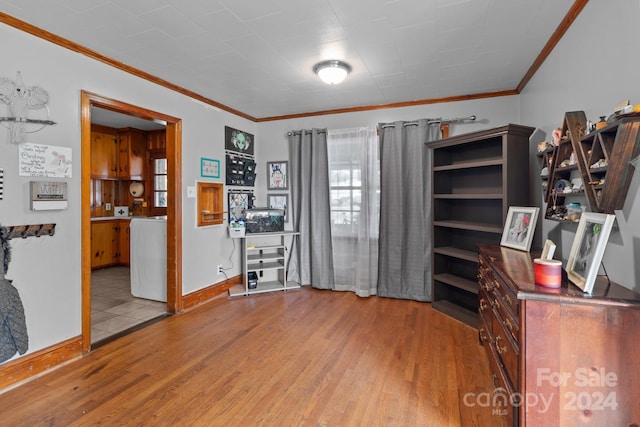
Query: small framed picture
[[279, 201], [209, 168], [277, 175], [519, 227], [548, 250], [587, 249]]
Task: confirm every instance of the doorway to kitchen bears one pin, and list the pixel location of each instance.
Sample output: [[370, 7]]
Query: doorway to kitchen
[[116, 281]]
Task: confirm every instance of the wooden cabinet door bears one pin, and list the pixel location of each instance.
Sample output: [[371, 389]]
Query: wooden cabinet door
[[103, 235], [124, 243], [132, 155], [104, 153]]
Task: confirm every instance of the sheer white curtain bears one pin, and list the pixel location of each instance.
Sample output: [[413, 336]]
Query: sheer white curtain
[[354, 180]]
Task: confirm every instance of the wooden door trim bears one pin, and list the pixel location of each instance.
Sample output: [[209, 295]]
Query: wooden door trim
[[174, 211]]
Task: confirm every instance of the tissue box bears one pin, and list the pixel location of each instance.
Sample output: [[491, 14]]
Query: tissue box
[[264, 220]]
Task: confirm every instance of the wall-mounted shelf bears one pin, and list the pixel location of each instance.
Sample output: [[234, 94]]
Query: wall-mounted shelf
[[602, 162], [210, 203]]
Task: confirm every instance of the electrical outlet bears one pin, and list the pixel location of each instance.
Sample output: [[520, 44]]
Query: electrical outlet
[[107, 206], [219, 269]]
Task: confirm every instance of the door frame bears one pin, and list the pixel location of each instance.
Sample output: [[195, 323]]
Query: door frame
[[174, 193]]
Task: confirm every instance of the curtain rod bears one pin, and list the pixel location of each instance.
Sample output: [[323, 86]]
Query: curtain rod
[[297, 132], [433, 121]]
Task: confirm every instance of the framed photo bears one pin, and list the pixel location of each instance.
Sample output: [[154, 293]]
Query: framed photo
[[548, 250], [519, 227], [587, 249], [277, 175], [279, 201], [209, 168]]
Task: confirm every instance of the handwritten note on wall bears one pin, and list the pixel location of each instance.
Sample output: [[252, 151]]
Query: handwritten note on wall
[[44, 160]]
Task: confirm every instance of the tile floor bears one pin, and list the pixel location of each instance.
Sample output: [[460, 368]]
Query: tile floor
[[113, 308]]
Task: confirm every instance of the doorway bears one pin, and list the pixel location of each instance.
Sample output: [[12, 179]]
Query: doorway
[[174, 194]]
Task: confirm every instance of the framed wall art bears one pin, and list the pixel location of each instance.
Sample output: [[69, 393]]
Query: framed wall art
[[277, 175], [587, 249], [279, 201], [238, 141], [519, 227], [209, 168]]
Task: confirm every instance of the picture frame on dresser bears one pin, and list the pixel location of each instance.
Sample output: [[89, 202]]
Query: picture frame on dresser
[[588, 248], [548, 250], [519, 227]]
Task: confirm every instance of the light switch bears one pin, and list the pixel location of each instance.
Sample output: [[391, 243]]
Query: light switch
[[191, 192]]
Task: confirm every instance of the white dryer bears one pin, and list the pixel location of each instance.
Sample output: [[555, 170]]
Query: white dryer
[[149, 257]]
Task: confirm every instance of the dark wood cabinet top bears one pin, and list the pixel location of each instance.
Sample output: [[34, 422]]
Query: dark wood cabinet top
[[516, 268]]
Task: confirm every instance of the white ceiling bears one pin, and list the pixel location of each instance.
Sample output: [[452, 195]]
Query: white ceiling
[[256, 56]]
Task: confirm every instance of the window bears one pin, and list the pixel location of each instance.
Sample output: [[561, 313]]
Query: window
[[350, 178], [345, 190], [158, 193]]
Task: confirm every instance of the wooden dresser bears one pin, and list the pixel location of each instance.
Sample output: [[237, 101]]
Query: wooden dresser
[[558, 357]]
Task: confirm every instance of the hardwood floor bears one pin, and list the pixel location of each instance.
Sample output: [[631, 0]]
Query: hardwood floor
[[305, 357]]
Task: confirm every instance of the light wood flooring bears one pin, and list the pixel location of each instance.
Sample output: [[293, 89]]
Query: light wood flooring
[[301, 358]]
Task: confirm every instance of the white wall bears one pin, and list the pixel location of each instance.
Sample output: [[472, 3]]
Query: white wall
[[593, 68], [47, 270], [272, 143]]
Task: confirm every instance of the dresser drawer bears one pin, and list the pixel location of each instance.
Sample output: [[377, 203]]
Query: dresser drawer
[[507, 350]]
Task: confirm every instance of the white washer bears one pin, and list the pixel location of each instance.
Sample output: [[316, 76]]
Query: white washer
[[149, 257]]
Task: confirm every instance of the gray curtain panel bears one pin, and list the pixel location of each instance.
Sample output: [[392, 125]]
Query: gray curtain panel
[[311, 261], [404, 262]]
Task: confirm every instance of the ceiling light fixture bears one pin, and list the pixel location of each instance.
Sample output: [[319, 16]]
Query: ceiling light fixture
[[332, 71]]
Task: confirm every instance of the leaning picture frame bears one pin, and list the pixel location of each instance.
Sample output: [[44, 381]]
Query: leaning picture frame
[[519, 227], [548, 250], [279, 201], [588, 248]]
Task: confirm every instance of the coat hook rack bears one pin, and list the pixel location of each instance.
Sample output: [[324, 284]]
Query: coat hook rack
[[24, 231]]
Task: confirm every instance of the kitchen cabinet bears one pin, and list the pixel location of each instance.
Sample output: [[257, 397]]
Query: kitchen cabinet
[[557, 356], [109, 243], [118, 153], [475, 178], [131, 154], [104, 152], [124, 237]]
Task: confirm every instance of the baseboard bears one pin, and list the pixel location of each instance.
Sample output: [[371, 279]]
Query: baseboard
[[17, 371], [210, 292]]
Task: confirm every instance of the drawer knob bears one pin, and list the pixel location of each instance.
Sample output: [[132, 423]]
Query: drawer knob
[[500, 350], [509, 324], [483, 304]]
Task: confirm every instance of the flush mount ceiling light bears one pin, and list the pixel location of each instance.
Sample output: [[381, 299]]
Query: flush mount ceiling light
[[332, 71]]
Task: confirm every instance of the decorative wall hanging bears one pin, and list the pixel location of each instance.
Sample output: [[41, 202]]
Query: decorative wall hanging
[[240, 171], [239, 202], [238, 141], [21, 100], [44, 161], [209, 168], [277, 178]]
